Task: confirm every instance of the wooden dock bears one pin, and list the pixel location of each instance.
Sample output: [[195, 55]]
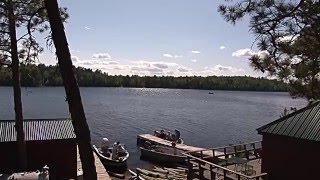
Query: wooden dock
[[183, 147], [100, 169]]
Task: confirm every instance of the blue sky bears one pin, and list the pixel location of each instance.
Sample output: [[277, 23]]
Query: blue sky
[[156, 37]]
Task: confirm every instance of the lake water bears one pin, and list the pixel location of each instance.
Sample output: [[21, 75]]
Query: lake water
[[121, 114]]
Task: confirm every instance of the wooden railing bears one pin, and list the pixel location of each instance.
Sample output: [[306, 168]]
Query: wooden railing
[[203, 160], [224, 152]]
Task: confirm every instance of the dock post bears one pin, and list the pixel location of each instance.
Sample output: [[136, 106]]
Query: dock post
[[212, 174], [138, 175], [190, 168], [201, 171], [225, 153]]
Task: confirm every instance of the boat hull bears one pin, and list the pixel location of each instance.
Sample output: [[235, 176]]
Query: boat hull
[[110, 163], [160, 157]]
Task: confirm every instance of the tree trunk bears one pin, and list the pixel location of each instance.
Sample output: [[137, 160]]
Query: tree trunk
[[22, 156], [72, 90]]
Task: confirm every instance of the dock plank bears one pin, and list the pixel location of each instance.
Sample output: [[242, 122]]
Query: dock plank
[[100, 169], [183, 147]]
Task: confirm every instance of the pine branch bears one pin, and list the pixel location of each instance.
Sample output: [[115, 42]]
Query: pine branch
[[4, 32]]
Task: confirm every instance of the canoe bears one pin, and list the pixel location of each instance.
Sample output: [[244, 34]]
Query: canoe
[[121, 161], [161, 154]]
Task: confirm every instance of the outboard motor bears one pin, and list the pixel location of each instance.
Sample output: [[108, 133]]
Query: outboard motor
[[177, 133]]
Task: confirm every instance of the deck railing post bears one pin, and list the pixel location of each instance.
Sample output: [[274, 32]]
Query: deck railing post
[[201, 154], [246, 152], [254, 146], [138, 173], [225, 153], [212, 174], [190, 168], [201, 171], [224, 174]]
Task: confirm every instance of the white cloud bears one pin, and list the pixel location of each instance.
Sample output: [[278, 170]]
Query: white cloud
[[74, 59], [195, 52], [222, 47], [183, 69], [193, 60], [262, 54], [168, 55], [113, 62], [161, 65], [86, 27], [225, 68], [243, 53], [220, 70], [172, 56], [150, 68], [248, 53], [101, 56], [72, 50]]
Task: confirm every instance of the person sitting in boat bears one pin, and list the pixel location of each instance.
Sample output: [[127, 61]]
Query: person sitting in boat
[[105, 147], [121, 150], [162, 135], [115, 148], [173, 137], [169, 136]]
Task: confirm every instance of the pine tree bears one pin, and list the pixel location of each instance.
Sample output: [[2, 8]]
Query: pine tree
[[72, 90], [288, 33]]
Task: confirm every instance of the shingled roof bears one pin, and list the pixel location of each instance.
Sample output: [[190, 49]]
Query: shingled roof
[[302, 124], [38, 129]]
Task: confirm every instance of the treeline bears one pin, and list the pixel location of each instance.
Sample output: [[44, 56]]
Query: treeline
[[41, 75]]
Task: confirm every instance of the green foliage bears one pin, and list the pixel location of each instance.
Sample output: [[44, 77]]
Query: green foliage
[[30, 17], [41, 75], [289, 34]]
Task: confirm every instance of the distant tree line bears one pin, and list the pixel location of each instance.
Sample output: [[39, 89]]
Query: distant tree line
[[42, 75]]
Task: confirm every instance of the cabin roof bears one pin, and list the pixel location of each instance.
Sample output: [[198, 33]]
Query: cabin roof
[[301, 124], [38, 129]]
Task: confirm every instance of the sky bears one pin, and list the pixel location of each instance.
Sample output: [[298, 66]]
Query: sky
[[155, 37]]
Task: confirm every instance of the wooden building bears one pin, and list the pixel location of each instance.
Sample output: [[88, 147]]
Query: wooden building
[[291, 145], [50, 142]]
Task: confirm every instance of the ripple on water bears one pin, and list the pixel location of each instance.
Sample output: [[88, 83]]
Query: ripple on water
[[122, 113]]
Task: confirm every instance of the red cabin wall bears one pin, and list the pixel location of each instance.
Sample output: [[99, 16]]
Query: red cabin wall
[[290, 158], [59, 155]]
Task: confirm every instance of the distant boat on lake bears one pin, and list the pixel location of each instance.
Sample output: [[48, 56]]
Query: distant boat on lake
[[210, 93]]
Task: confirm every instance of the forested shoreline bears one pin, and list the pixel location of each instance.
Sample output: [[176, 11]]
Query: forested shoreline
[[41, 75]]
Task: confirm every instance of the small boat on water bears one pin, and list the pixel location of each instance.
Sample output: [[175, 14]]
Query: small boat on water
[[161, 154], [169, 136], [210, 93], [112, 157]]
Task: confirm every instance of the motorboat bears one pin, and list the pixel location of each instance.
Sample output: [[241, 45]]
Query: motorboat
[[112, 157], [169, 136], [162, 154]]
